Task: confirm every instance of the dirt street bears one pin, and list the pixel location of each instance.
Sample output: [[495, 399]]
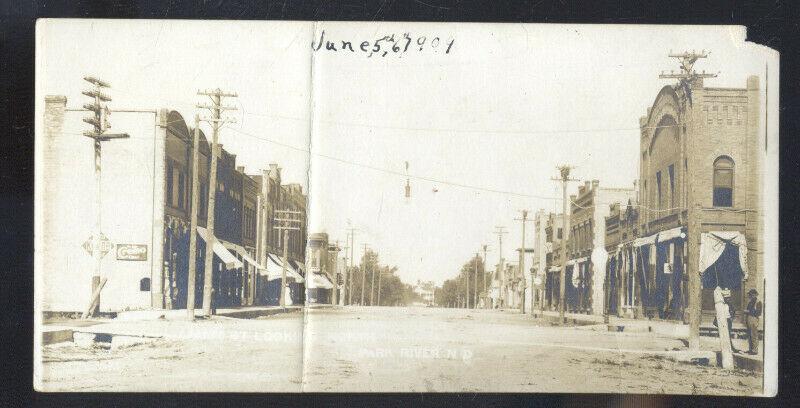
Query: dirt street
[[385, 349]]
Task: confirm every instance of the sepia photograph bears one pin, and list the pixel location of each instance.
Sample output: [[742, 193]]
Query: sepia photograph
[[299, 206]]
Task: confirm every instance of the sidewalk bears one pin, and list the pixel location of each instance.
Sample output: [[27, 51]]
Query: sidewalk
[[135, 323], [673, 329]]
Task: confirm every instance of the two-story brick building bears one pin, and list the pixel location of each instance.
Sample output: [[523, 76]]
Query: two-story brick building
[[698, 211]]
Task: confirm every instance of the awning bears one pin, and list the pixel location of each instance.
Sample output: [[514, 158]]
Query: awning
[[645, 241], [243, 253], [224, 255], [669, 234], [273, 270], [554, 269], [320, 281], [713, 243], [290, 271]]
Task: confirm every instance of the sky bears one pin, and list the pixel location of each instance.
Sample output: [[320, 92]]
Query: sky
[[482, 127]]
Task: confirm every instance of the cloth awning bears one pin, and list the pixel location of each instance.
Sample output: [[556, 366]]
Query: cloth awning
[[712, 244], [645, 240], [224, 255], [243, 253], [319, 281], [669, 234], [275, 270]]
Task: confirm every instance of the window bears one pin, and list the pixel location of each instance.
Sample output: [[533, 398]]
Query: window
[[144, 285], [169, 181], [723, 182], [560, 234], [181, 189], [176, 175], [671, 170], [658, 189]]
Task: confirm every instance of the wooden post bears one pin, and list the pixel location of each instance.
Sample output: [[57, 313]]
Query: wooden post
[[95, 298], [190, 291], [723, 312]]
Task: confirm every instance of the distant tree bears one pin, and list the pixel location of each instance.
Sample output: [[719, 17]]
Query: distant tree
[[453, 291], [394, 292]]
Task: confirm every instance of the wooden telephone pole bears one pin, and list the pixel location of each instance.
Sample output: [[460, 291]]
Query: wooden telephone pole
[[190, 291], [350, 277], [216, 121], [380, 273], [524, 220], [372, 286], [345, 276], [475, 296], [485, 292], [564, 173], [363, 274], [500, 231], [285, 221], [686, 78], [100, 122]]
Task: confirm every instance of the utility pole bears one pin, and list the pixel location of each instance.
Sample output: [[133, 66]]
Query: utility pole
[[190, 291], [500, 231], [524, 219], [216, 121], [352, 234], [485, 249], [475, 302], [285, 221], [380, 273], [372, 286], [363, 274], [564, 173], [343, 297], [686, 78], [100, 122]]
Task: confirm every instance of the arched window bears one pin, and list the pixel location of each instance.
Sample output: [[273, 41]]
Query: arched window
[[723, 182]]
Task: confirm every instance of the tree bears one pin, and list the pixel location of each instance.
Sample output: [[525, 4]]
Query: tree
[[453, 291], [394, 292]]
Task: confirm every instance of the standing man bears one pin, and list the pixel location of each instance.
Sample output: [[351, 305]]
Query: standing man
[[752, 318]]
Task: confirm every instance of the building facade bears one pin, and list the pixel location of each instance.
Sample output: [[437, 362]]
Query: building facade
[[700, 195], [555, 235], [145, 208], [586, 251]]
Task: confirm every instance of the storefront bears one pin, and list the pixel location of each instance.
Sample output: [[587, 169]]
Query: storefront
[[723, 263]]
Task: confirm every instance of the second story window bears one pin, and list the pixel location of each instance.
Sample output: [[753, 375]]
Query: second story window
[[723, 182], [658, 189]]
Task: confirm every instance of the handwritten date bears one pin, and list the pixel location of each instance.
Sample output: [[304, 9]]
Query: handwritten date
[[387, 45]]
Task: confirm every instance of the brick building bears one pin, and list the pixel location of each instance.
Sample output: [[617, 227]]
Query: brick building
[[622, 226], [699, 202], [273, 196], [586, 266], [554, 236]]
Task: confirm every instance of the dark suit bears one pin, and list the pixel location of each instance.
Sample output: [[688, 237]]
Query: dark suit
[[752, 320]]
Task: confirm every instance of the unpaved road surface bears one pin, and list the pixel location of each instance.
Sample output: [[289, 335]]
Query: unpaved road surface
[[385, 349]]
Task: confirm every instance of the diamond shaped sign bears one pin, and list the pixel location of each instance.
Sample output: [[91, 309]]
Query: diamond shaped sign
[[105, 245]]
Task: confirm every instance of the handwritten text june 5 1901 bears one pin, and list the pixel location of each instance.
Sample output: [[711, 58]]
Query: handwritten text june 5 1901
[[386, 45]]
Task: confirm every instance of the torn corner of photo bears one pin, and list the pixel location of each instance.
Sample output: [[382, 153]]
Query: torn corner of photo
[[405, 207]]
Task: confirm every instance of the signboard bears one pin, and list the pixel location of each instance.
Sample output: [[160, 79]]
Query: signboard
[[131, 252], [105, 245]]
